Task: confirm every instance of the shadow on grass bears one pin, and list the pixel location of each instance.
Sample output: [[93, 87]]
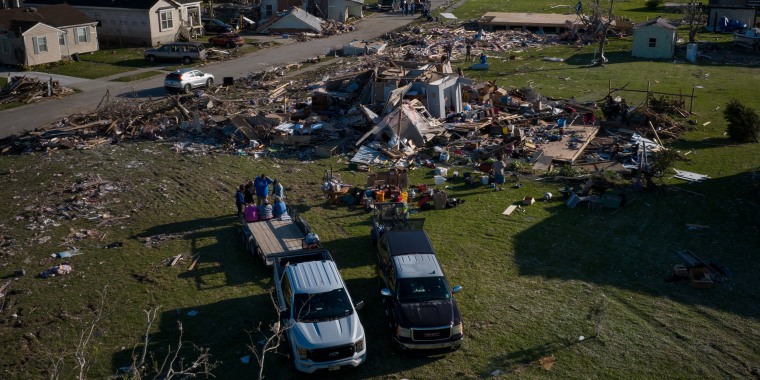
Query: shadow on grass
[[513, 361], [635, 247], [228, 327]]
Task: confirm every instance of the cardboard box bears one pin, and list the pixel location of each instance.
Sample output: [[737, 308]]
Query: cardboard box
[[529, 201], [326, 150]]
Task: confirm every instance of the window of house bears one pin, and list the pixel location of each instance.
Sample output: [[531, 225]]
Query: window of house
[[165, 18], [62, 39], [40, 44], [652, 42], [269, 10], [82, 35]]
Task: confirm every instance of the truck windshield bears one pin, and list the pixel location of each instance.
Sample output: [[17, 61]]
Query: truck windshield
[[423, 289], [322, 306]]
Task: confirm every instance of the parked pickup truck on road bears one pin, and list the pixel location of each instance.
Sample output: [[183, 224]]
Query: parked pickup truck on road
[[420, 306], [321, 324]]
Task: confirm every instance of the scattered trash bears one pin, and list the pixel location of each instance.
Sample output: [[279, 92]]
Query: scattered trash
[[116, 244], [245, 359], [495, 373], [58, 270], [66, 254], [192, 313], [581, 338]]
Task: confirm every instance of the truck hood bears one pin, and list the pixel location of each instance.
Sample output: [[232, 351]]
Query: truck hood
[[428, 314], [329, 333]]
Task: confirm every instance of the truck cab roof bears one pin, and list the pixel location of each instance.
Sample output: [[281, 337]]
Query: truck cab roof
[[417, 265], [314, 277], [408, 242]]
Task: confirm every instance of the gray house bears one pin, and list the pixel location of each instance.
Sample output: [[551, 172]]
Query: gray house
[[136, 22], [654, 39], [44, 35]]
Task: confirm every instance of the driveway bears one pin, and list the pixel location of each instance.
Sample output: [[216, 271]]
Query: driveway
[[44, 113]]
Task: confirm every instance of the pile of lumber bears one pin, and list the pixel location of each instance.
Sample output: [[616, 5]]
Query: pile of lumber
[[26, 90]]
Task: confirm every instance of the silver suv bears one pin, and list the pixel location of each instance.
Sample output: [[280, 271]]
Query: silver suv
[[177, 51], [187, 79]]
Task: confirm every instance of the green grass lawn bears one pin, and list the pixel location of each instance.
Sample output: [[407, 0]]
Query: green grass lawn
[[534, 282]]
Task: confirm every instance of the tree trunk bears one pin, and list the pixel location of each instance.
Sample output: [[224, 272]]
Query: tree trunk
[[601, 59]]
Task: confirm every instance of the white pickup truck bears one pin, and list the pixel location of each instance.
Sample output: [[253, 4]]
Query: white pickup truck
[[321, 324]]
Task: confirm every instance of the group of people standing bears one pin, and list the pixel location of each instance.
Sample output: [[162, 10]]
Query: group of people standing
[[410, 7], [259, 208]]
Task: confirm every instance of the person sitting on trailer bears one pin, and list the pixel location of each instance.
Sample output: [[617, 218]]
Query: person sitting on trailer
[[279, 209], [265, 211]]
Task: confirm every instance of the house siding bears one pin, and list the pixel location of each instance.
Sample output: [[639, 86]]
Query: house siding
[[74, 47], [10, 57], [141, 27], [53, 53], [664, 47], [159, 36]]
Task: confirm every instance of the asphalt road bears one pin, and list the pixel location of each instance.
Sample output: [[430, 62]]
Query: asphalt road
[[42, 114]]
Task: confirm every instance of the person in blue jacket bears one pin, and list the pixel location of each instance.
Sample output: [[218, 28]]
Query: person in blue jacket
[[240, 199], [261, 184], [279, 208]]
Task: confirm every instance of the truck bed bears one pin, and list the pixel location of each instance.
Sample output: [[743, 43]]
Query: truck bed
[[277, 236]]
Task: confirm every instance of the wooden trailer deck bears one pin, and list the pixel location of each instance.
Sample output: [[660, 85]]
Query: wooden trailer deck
[[277, 236]]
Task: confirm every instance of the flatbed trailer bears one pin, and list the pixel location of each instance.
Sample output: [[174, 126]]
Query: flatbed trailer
[[269, 238]]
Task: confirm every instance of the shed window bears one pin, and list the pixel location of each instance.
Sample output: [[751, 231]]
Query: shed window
[[652, 42], [82, 35], [62, 39], [40, 45], [166, 20]]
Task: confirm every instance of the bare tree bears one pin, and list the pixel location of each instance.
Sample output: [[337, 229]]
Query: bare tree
[[598, 22], [694, 16], [172, 365], [270, 340], [82, 352]]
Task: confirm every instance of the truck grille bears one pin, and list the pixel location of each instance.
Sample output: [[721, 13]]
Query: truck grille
[[332, 353], [431, 334]]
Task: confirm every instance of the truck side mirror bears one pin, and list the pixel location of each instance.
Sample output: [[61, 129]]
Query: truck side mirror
[[456, 289], [359, 305], [385, 292]]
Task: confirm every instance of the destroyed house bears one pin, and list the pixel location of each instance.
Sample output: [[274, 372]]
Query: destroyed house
[[410, 122], [430, 83], [35, 36], [654, 39], [293, 20], [746, 14], [269, 8], [534, 22], [137, 22], [338, 10]]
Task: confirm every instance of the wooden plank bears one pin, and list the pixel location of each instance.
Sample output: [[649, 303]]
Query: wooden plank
[[509, 210], [276, 236]]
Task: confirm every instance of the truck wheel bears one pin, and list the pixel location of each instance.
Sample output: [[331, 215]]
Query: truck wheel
[[151, 58], [187, 60]]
